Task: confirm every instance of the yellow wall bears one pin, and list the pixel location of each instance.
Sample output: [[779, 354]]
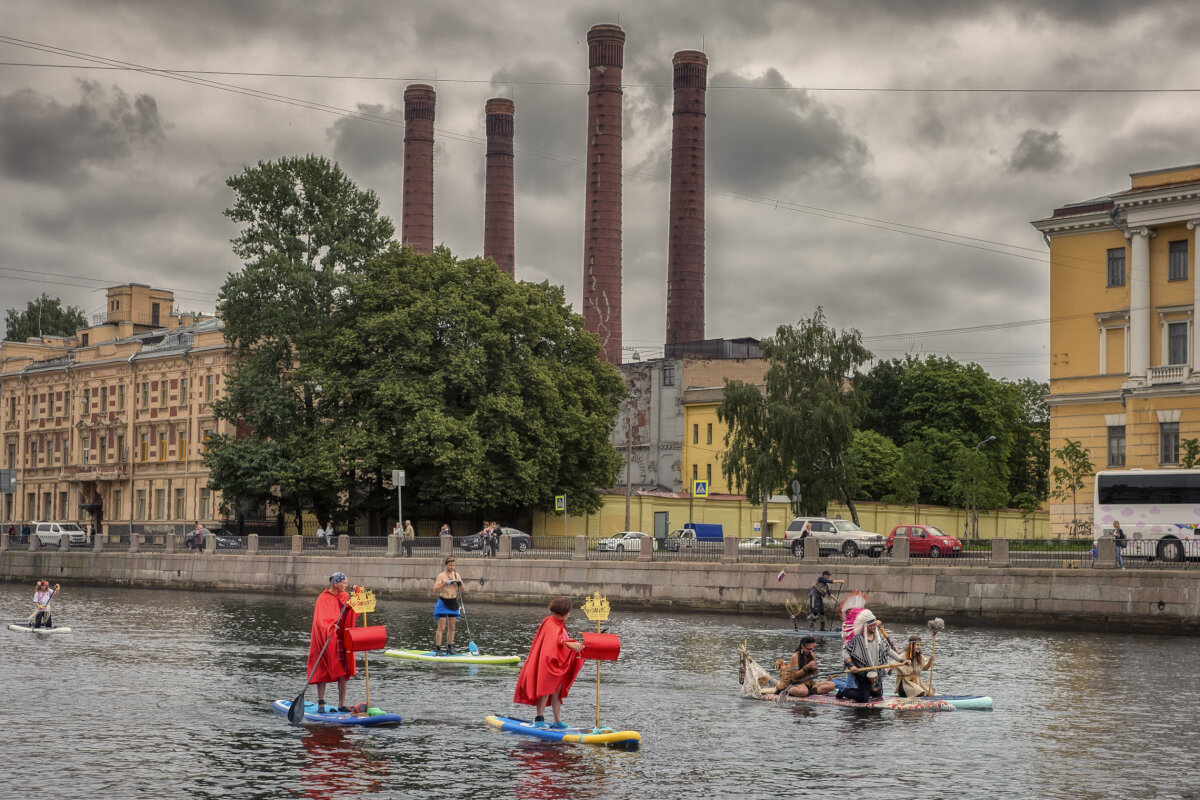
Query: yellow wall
[[698, 452], [1002, 524], [1078, 289]]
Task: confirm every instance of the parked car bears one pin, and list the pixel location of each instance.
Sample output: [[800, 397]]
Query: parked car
[[756, 544], [835, 536], [49, 533], [926, 540], [626, 540], [228, 540], [521, 541], [709, 535]]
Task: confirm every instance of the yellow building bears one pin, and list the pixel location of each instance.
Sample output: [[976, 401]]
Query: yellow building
[[108, 425], [1123, 334]]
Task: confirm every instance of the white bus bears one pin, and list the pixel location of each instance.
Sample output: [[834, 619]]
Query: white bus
[[1159, 510]]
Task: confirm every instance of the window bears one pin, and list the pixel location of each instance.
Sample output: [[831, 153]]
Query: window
[[160, 503], [50, 449], [205, 437], [162, 394], [145, 394], [1116, 445], [710, 433], [205, 503], [1177, 343], [180, 511], [122, 456], [103, 448], [183, 394], [696, 434], [36, 404], [1168, 442], [121, 397], [208, 388], [1116, 267], [116, 505], [708, 474], [162, 446], [145, 447], [668, 376], [12, 407], [84, 340], [86, 441], [12, 456], [141, 503], [695, 472], [1177, 258], [183, 441], [103, 399]]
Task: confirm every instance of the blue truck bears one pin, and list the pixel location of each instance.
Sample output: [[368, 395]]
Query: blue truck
[[693, 534]]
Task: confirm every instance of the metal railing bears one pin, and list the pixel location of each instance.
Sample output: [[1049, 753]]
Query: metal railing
[[547, 547], [1051, 553], [690, 551]]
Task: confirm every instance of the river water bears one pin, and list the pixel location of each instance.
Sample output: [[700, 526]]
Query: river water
[[165, 694]]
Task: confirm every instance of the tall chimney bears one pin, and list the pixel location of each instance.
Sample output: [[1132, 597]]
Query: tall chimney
[[685, 246], [602, 215], [498, 185], [417, 226]]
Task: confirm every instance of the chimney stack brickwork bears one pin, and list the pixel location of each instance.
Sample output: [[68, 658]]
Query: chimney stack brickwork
[[417, 223], [602, 213], [498, 206], [685, 245]]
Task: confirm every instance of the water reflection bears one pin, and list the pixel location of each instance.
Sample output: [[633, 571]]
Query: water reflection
[[339, 762]]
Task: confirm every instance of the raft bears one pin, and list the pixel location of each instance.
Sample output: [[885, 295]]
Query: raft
[[42, 631], [893, 703], [457, 658], [313, 717], [620, 740]]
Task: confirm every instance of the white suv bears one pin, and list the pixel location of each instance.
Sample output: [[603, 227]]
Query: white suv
[[835, 536], [49, 533]]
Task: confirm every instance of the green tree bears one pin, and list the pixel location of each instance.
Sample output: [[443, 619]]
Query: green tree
[[910, 474], [1191, 453], [873, 458], [489, 392], [752, 458], [808, 416], [44, 316], [976, 486], [306, 228], [1029, 458], [1070, 475]]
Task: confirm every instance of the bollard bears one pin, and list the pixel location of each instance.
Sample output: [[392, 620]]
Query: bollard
[[812, 551], [394, 545], [98, 543], [297, 544], [210, 543], [505, 547], [252, 544], [343, 545], [134, 540], [730, 554], [581, 548], [445, 545], [646, 550], [999, 556], [64, 542], [899, 550], [1106, 553], [170, 543]]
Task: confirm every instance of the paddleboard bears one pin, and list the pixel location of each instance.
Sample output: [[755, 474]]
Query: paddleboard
[[28, 629], [314, 717], [457, 658], [621, 740], [963, 702], [893, 703]]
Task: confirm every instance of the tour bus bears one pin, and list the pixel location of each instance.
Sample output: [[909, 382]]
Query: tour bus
[[1159, 510]]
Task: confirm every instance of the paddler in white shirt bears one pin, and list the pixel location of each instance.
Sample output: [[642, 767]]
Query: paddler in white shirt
[[41, 602]]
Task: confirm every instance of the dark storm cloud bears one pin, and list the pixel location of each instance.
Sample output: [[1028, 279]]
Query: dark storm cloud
[[367, 142], [762, 139], [549, 123], [43, 141], [1038, 151]]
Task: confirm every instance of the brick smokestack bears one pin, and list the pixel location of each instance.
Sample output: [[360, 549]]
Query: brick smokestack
[[498, 239], [602, 215], [685, 246], [417, 226]]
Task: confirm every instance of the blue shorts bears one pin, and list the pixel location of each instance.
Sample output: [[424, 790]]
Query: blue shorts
[[443, 610]]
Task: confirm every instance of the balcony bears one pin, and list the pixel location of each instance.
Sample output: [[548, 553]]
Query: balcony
[[1172, 373], [95, 472]]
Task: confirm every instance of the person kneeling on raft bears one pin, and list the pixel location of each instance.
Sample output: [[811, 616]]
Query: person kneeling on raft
[[331, 617], [41, 602], [862, 653], [550, 668], [908, 677], [798, 677]]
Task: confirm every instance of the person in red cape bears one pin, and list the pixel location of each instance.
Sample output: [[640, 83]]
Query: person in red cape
[[550, 668], [329, 620]]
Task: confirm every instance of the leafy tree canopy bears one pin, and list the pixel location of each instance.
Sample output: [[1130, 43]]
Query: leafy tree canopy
[[44, 316], [873, 459]]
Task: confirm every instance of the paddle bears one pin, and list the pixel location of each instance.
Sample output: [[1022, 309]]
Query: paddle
[[296, 712], [936, 624], [33, 616], [860, 669], [462, 608]]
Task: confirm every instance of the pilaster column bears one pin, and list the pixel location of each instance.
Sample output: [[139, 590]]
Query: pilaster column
[[1194, 246], [1139, 302]]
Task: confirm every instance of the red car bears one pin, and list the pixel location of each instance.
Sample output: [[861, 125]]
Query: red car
[[926, 540]]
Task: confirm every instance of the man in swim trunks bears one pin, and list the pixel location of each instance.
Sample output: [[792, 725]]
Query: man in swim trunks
[[446, 587]]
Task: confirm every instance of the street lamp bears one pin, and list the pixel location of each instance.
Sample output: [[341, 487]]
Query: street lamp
[[985, 441], [971, 501]]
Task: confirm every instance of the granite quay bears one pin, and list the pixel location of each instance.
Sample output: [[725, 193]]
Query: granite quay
[[1004, 584]]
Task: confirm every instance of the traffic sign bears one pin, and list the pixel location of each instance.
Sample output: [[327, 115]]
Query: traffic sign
[[700, 488], [560, 502], [397, 477]]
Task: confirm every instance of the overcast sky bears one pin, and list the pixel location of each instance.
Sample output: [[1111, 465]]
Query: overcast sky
[[830, 182]]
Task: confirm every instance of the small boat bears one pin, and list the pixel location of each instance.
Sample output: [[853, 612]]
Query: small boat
[[894, 703], [620, 740], [457, 658], [43, 631], [373, 718]]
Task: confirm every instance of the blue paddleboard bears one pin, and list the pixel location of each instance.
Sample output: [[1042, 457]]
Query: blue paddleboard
[[314, 717]]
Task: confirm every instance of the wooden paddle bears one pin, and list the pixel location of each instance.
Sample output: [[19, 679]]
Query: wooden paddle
[[859, 669], [296, 712], [936, 624]]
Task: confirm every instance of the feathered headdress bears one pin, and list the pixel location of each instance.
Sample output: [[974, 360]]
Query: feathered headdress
[[850, 608]]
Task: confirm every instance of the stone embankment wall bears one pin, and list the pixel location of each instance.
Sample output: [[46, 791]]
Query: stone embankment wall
[[1146, 600]]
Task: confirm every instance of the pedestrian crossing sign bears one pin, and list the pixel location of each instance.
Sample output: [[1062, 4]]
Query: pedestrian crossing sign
[[700, 488], [560, 502]]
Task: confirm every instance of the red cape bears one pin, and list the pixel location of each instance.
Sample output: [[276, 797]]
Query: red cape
[[334, 663], [550, 664]]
